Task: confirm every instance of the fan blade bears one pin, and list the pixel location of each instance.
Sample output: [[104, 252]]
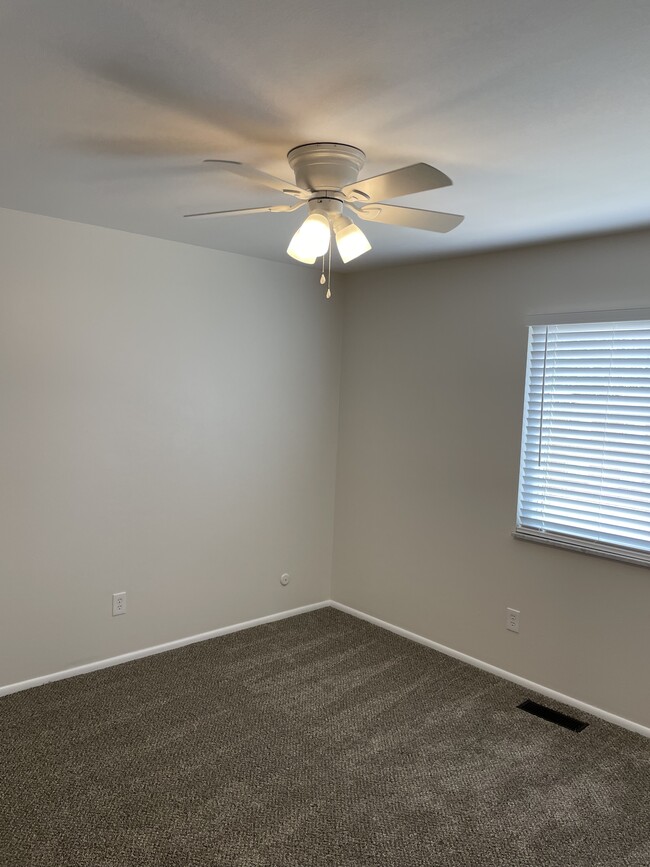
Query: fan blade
[[271, 209], [414, 218], [402, 182], [261, 178]]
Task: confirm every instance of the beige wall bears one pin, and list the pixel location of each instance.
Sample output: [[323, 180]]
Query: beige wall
[[168, 426], [433, 375]]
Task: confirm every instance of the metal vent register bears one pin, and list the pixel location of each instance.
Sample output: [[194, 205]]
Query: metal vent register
[[554, 716]]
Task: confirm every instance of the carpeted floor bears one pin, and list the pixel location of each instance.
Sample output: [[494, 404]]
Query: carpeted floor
[[320, 740]]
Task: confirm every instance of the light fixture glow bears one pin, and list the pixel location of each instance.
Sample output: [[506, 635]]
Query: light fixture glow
[[350, 240], [311, 240], [295, 250]]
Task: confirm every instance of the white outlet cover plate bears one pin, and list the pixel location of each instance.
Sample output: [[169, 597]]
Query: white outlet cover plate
[[512, 619], [119, 603]]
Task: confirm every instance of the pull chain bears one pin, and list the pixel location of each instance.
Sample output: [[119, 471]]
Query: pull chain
[[322, 276], [328, 294]]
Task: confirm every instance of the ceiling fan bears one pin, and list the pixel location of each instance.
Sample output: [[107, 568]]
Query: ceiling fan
[[327, 182]]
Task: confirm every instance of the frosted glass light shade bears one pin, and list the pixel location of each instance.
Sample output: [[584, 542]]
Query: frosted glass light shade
[[350, 240], [311, 240], [296, 252]]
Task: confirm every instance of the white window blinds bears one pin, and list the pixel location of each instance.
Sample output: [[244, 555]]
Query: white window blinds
[[585, 459]]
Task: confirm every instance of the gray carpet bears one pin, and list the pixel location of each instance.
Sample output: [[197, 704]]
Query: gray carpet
[[319, 740]]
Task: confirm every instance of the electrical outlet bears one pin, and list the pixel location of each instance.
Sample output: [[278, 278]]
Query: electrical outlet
[[119, 603], [512, 619]]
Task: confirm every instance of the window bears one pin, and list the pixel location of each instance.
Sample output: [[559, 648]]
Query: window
[[585, 458]]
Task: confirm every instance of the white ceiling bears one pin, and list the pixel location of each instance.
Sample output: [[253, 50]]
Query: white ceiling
[[538, 110]]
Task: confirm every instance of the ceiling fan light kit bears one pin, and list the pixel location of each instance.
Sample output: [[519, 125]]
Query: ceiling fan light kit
[[327, 181]]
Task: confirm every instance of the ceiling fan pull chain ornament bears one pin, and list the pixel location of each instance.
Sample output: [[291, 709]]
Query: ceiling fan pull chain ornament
[[322, 276]]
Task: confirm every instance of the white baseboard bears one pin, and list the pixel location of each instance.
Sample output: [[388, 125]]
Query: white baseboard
[[500, 672], [282, 615], [158, 648]]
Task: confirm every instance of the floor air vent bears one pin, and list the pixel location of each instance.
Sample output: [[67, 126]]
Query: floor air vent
[[554, 716]]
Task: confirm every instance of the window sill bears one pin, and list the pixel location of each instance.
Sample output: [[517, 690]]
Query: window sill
[[583, 546]]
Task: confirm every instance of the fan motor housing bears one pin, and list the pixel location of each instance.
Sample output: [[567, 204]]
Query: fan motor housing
[[325, 165]]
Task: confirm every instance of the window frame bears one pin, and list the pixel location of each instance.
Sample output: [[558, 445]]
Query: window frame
[[635, 556]]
